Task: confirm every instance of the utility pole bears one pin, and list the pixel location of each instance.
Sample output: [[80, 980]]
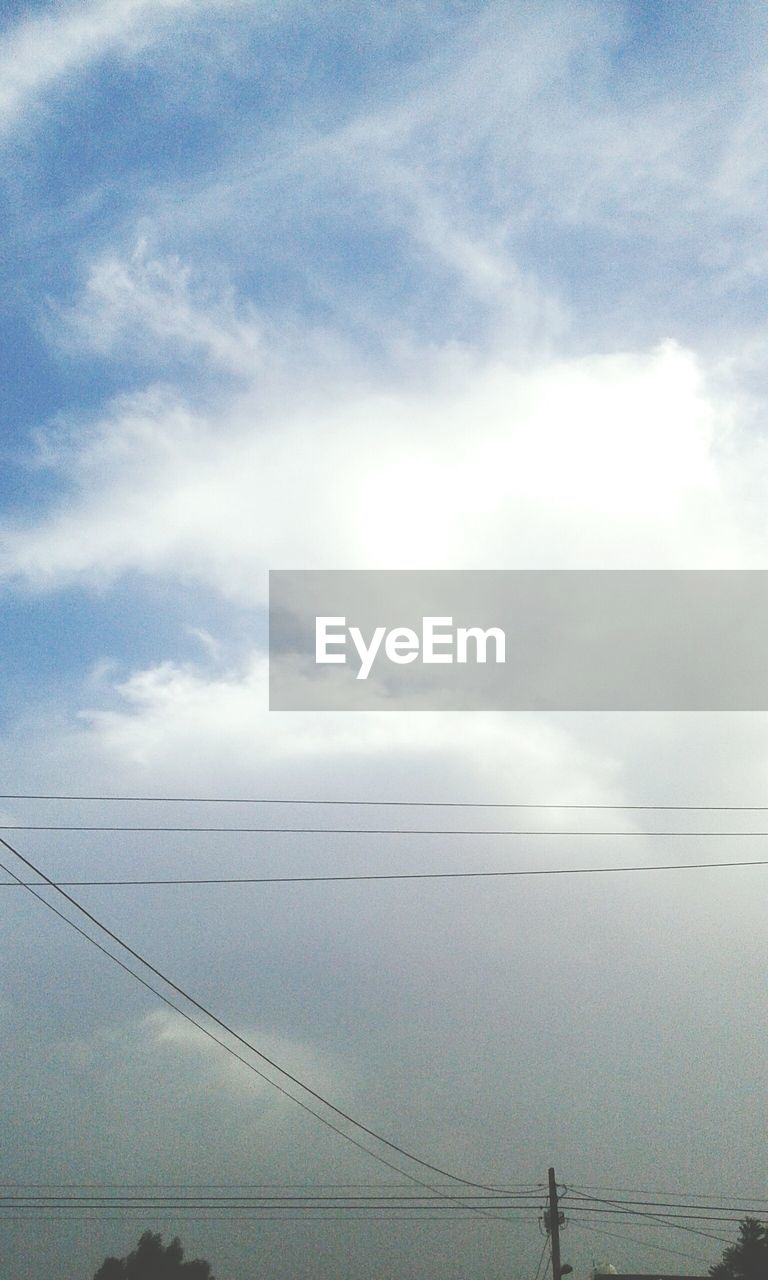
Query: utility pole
[[554, 1226]]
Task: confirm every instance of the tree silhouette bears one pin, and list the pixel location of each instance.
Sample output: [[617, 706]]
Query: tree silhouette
[[152, 1260], [746, 1260]]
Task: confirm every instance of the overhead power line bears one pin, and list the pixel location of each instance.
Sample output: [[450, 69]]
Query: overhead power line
[[195, 1023], [445, 1204], [531, 1191], [646, 1244], [412, 1197], [397, 804], [348, 1200], [684, 1195], [586, 1204], [534, 1191], [166, 1216], [542, 1264], [117, 829], [683, 1204], [251, 1048], [406, 875], [734, 1216]]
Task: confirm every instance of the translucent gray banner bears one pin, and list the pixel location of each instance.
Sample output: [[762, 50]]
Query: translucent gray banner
[[627, 640]]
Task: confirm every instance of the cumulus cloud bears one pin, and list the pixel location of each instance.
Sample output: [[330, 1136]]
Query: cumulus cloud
[[624, 460], [194, 716]]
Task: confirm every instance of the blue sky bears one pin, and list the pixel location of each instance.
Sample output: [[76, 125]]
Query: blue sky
[[386, 285]]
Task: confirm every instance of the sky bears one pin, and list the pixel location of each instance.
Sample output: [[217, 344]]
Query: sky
[[417, 284]]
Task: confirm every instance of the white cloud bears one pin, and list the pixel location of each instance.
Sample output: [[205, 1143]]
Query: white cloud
[[152, 1093], [164, 1042], [149, 306], [507, 148], [470, 187], [627, 460], [175, 715], [64, 40]]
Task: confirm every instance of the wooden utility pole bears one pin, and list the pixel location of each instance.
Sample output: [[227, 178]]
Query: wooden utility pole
[[554, 1226]]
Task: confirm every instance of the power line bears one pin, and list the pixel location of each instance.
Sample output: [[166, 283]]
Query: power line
[[638, 1213], [667, 1217], [310, 1190], [397, 804], [654, 1191], [676, 1226], [250, 1217], [408, 875], [541, 1258], [151, 1206], [675, 1204], [35, 1201], [646, 1244], [447, 1203], [522, 1190], [189, 1018], [230, 1031], [367, 831], [320, 1203]]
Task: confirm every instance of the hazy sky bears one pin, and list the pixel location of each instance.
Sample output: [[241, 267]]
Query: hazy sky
[[374, 285]]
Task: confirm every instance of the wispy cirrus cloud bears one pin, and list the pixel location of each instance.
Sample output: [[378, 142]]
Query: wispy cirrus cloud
[[62, 41], [527, 196], [145, 308]]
